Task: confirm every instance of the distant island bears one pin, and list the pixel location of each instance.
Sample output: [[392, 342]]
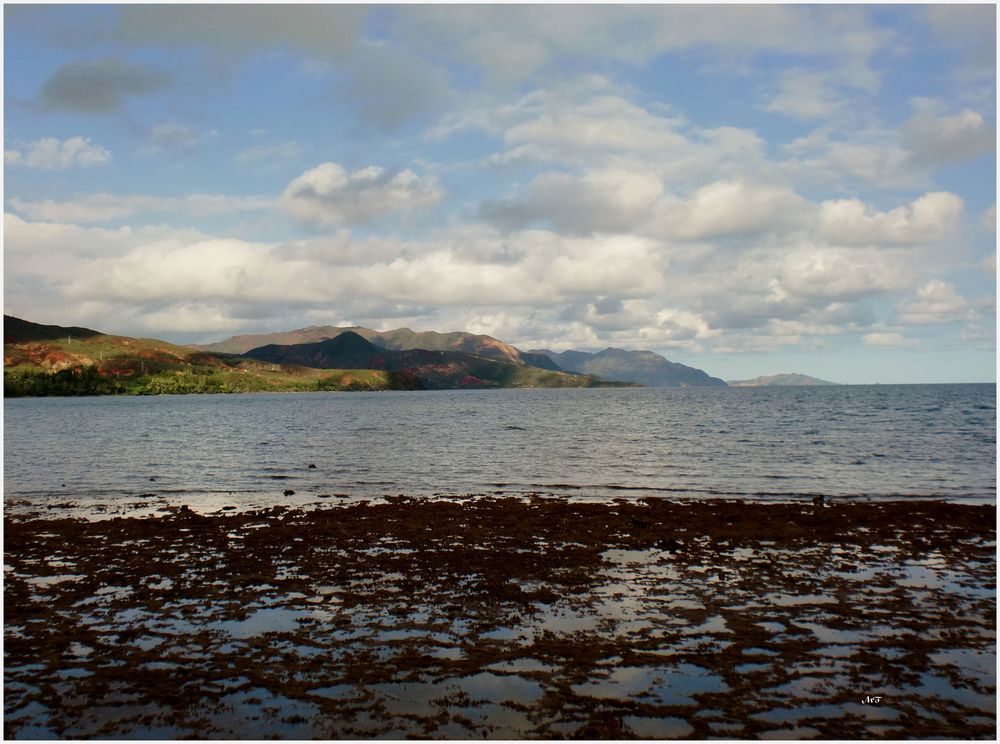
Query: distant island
[[780, 380]]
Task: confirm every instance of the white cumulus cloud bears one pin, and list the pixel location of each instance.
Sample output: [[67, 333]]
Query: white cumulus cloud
[[330, 195], [852, 222], [731, 208], [937, 302], [50, 153]]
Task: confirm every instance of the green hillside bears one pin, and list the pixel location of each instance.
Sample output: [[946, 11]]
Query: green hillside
[[42, 360], [50, 360]]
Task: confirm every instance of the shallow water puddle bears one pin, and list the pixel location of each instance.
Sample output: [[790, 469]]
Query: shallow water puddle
[[667, 685], [499, 688], [521, 666], [411, 698], [270, 620], [658, 728]]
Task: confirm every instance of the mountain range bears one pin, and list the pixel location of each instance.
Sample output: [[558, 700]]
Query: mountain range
[[643, 367], [50, 359], [399, 339], [440, 370], [60, 360]]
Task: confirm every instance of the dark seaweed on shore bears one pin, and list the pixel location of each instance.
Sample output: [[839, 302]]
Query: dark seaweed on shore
[[506, 618]]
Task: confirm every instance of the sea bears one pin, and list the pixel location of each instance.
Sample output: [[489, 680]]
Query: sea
[[101, 457]]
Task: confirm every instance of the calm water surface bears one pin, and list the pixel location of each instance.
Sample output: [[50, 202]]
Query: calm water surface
[[126, 455]]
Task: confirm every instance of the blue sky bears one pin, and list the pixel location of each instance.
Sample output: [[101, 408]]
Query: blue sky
[[746, 189]]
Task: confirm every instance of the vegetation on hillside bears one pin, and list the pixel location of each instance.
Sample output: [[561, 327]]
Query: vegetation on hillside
[[52, 360], [58, 363]]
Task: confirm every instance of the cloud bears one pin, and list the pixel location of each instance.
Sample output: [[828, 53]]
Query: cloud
[[889, 339], [539, 36], [170, 137], [53, 154], [553, 269], [329, 195], [144, 271], [390, 87], [970, 29], [545, 126], [641, 323], [825, 273], [279, 152], [629, 198], [937, 302], [988, 218], [587, 290], [589, 123], [882, 164], [570, 122], [99, 85], [111, 207], [851, 222], [935, 139], [608, 200], [210, 269], [320, 30], [731, 208], [806, 95]]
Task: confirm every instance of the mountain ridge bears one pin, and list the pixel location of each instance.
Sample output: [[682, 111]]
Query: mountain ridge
[[434, 369], [42, 360], [643, 367], [397, 339]]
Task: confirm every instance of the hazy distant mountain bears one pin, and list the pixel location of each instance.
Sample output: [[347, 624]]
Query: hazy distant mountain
[[644, 367], [399, 339], [789, 379], [438, 370]]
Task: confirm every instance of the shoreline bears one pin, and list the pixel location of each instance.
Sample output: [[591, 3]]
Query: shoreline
[[229, 503], [600, 385], [507, 618]]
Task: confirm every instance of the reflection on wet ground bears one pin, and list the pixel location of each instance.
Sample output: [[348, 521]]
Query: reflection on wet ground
[[506, 618]]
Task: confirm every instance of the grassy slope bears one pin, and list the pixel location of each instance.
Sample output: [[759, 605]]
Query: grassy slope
[[118, 365]]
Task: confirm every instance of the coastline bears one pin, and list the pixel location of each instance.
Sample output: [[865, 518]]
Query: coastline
[[506, 618]]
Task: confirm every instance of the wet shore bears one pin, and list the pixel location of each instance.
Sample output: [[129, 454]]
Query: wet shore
[[506, 618]]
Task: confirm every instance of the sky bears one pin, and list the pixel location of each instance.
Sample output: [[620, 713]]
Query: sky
[[747, 189]]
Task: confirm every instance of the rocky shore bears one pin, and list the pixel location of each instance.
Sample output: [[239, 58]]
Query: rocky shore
[[506, 618]]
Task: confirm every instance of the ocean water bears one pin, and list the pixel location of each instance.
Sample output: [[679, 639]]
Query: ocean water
[[109, 456]]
